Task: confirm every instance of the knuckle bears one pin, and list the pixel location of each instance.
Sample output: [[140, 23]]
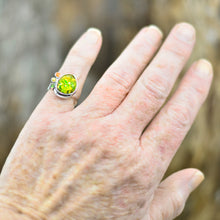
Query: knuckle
[[200, 90], [181, 116], [120, 78], [77, 54], [144, 51], [135, 62], [156, 87], [178, 48], [196, 95]]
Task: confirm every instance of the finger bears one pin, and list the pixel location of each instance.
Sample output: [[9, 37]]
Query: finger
[[122, 74], [78, 62], [171, 195], [154, 85], [170, 126]]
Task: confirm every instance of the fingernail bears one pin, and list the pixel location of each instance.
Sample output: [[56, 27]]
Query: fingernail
[[204, 67], [185, 32], [196, 179], [156, 29], [94, 35]]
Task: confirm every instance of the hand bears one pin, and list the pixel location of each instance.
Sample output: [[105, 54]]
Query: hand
[[105, 158]]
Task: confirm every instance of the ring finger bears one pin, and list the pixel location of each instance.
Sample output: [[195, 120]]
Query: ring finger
[[154, 85]]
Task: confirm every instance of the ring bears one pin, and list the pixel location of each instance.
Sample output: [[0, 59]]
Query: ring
[[63, 86]]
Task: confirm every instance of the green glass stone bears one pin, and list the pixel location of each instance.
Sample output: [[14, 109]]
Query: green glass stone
[[51, 86], [67, 84]]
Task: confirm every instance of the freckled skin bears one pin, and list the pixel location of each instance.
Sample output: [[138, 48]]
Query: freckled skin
[[73, 175], [105, 158]]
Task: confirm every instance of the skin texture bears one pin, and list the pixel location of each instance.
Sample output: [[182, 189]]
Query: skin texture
[[105, 158]]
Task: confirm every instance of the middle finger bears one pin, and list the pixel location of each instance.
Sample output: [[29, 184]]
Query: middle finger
[[154, 85]]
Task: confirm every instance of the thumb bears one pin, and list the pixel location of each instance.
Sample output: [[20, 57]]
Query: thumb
[[171, 195]]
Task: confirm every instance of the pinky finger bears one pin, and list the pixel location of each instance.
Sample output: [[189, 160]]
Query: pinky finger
[[172, 123], [171, 195], [78, 62]]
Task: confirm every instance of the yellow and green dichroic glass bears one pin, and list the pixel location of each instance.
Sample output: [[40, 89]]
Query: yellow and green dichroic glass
[[67, 84]]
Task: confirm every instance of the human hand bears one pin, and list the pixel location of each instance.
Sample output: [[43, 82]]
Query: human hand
[[97, 160]]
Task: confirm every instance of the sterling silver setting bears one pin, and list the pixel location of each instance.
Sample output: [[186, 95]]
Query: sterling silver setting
[[54, 85]]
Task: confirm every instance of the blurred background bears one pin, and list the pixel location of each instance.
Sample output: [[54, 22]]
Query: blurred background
[[35, 36]]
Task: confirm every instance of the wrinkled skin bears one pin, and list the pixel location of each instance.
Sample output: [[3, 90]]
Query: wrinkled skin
[[98, 160]]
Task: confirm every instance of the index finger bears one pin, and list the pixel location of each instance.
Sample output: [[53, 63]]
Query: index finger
[[166, 132]]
